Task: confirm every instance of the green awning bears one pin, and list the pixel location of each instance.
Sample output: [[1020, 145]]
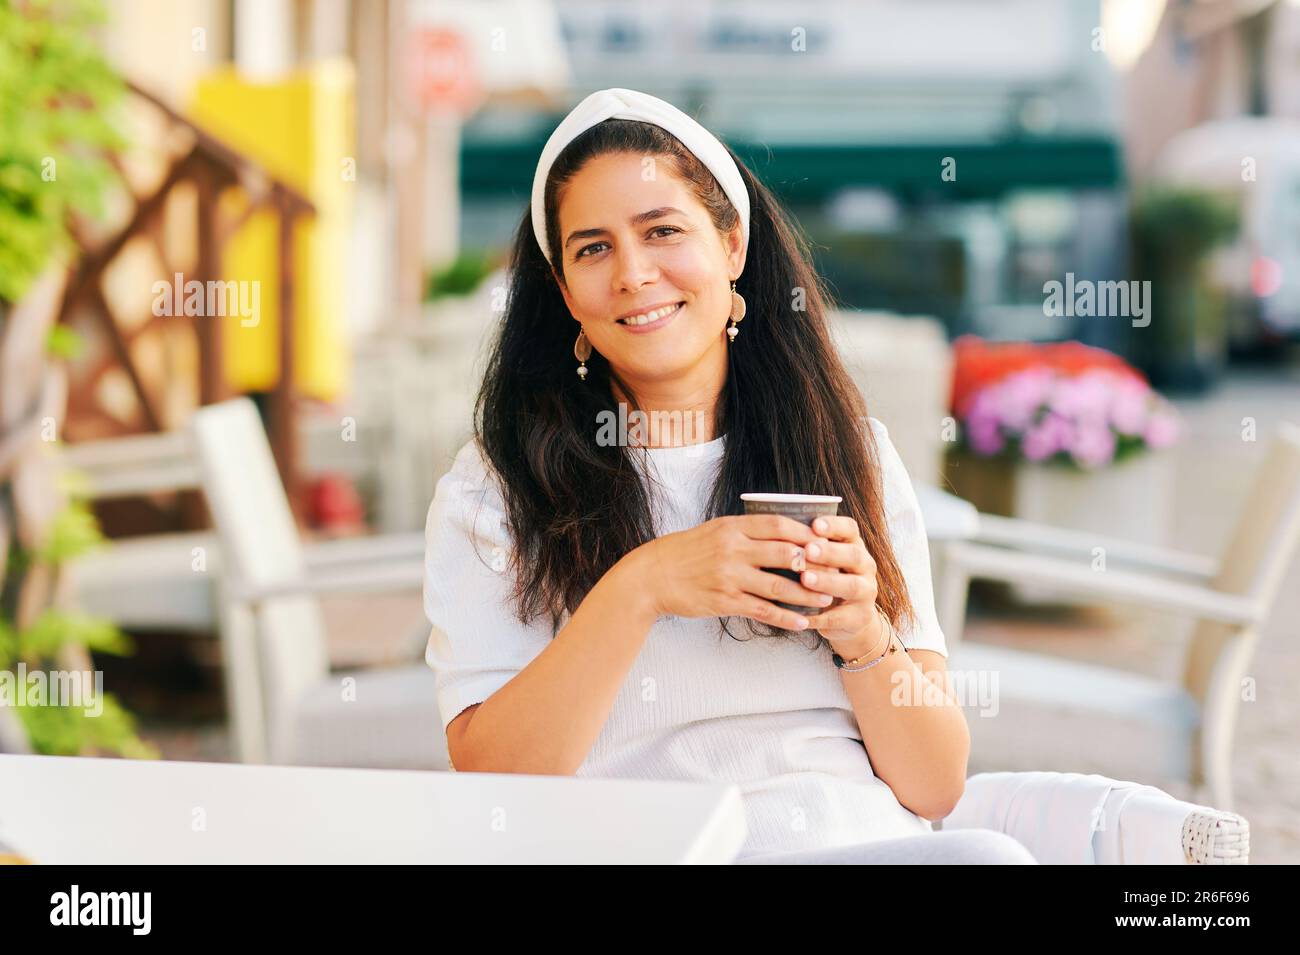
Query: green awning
[[806, 173]]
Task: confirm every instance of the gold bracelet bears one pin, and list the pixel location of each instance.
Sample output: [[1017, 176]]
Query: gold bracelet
[[852, 665]]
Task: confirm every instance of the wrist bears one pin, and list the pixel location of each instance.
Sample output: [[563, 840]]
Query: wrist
[[635, 579], [872, 640]]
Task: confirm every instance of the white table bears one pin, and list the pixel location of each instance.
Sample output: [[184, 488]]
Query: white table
[[57, 809]]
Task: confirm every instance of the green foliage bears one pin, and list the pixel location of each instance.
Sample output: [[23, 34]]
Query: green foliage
[[461, 276], [1175, 226], [8, 645], [64, 729], [56, 93], [1174, 230], [72, 731], [73, 727], [73, 532], [63, 342], [1126, 446], [55, 629]]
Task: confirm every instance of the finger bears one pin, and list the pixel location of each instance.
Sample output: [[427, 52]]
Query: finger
[[764, 611], [760, 583], [781, 554], [837, 527], [855, 587], [775, 527], [850, 617], [853, 557]]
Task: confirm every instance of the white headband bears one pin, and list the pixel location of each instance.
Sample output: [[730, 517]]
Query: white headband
[[616, 103]]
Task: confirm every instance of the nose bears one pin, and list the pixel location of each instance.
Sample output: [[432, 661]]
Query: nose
[[634, 267]]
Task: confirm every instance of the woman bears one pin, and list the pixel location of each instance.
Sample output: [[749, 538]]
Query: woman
[[588, 585]]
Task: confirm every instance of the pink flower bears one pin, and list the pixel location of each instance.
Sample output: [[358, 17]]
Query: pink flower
[[984, 435], [1049, 436], [1093, 445], [1052, 412], [1082, 399], [1129, 406], [1019, 397], [1162, 430], [982, 431], [1128, 414]]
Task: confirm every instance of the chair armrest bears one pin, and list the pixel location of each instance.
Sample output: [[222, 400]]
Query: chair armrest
[[1215, 837], [351, 565], [946, 516], [323, 554], [1027, 535], [983, 562], [1055, 815]]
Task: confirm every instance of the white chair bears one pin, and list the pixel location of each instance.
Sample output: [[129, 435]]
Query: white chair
[[1056, 714], [147, 582], [902, 365], [286, 705]]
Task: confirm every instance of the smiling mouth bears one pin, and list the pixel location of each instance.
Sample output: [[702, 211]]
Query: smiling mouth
[[646, 321]]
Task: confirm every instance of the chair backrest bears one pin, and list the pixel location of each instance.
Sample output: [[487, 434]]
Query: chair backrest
[[260, 546], [903, 367], [138, 464], [1253, 564]]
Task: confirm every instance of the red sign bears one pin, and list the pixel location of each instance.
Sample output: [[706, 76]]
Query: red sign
[[443, 76]]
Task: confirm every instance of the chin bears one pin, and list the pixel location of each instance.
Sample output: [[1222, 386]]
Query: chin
[[662, 366]]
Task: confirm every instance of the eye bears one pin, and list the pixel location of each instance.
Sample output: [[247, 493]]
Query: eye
[[582, 253]]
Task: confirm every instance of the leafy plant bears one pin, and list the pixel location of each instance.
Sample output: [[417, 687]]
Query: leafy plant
[[56, 128], [67, 730], [461, 276], [1173, 231], [1173, 227], [56, 90]]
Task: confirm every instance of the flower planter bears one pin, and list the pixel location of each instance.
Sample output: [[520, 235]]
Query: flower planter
[[1131, 500]]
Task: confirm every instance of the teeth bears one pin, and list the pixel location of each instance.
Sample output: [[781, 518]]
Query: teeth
[[647, 317]]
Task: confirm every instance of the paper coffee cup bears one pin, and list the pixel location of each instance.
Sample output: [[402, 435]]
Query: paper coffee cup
[[804, 508]]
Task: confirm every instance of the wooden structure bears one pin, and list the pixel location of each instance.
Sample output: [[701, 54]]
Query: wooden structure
[[210, 168]]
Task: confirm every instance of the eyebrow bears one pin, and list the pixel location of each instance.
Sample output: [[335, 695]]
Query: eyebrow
[[638, 219]]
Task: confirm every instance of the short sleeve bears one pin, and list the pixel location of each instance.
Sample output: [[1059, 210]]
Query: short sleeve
[[477, 644], [911, 548]]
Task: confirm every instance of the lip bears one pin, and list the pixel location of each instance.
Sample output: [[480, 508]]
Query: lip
[[650, 326], [647, 308]]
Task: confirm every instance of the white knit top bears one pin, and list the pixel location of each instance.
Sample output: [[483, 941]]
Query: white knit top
[[767, 713]]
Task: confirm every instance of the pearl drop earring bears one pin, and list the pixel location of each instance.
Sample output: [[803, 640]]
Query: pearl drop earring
[[582, 351], [737, 312]]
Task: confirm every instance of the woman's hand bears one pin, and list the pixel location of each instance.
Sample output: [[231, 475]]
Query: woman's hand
[[715, 570], [840, 565]]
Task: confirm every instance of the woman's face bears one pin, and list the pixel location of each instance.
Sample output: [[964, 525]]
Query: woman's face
[[632, 244]]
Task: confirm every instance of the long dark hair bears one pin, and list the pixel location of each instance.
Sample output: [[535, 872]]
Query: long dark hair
[[793, 417]]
